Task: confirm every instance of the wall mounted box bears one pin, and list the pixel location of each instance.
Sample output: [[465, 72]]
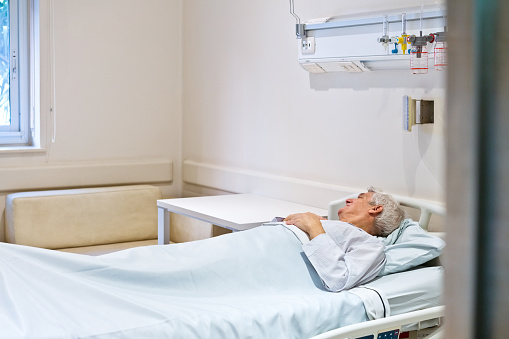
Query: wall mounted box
[[426, 112]]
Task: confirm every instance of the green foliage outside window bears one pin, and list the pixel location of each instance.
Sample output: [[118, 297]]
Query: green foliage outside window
[[5, 109]]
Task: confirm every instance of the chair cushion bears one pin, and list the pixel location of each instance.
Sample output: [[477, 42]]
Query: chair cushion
[[82, 217]]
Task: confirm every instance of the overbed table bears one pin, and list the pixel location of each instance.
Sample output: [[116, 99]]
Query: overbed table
[[237, 212]]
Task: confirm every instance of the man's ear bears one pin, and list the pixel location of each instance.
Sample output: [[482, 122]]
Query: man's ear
[[375, 210]]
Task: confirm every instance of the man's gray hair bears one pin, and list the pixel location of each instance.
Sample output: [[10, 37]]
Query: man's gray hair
[[392, 214]]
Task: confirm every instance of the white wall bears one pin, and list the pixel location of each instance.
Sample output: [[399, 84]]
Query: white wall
[[254, 121], [118, 98], [142, 86]]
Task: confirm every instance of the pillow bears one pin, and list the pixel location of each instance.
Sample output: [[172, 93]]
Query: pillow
[[409, 246]]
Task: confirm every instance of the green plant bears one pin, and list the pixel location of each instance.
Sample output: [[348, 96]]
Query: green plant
[[5, 109]]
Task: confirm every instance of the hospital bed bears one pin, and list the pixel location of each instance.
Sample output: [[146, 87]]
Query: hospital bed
[[216, 288]]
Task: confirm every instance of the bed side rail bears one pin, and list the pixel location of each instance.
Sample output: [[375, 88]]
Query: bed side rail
[[374, 327]]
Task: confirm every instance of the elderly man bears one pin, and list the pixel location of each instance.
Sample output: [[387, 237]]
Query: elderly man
[[347, 252]]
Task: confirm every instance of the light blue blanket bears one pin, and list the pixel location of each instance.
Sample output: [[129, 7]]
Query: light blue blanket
[[251, 284]]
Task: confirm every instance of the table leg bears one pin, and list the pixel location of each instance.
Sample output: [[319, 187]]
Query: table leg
[[163, 226]]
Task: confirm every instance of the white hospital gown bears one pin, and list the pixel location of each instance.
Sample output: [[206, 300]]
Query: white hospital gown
[[345, 256]]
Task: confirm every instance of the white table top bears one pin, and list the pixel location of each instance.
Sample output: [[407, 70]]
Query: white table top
[[236, 211]]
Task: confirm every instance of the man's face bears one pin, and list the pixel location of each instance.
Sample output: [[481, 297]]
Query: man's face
[[357, 209]]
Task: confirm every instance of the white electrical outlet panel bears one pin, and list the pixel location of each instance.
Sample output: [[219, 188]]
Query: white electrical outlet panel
[[308, 45]]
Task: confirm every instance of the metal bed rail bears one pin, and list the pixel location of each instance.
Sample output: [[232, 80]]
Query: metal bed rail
[[374, 327]]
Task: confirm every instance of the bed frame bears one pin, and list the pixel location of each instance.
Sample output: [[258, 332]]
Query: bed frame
[[372, 329]]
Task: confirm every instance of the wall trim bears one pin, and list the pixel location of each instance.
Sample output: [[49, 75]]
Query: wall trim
[[85, 174], [235, 180]]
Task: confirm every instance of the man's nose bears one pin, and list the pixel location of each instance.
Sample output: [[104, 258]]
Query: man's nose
[[349, 201]]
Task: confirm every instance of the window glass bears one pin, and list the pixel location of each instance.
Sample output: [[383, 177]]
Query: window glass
[[19, 34], [5, 107]]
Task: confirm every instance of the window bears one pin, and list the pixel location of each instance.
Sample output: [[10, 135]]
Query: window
[[18, 55]]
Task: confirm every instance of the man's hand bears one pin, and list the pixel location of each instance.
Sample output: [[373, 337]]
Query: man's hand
[[307, 222]]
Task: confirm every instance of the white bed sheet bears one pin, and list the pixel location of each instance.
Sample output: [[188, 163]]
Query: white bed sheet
[[412, 290], [251, 284], [248, 284]]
